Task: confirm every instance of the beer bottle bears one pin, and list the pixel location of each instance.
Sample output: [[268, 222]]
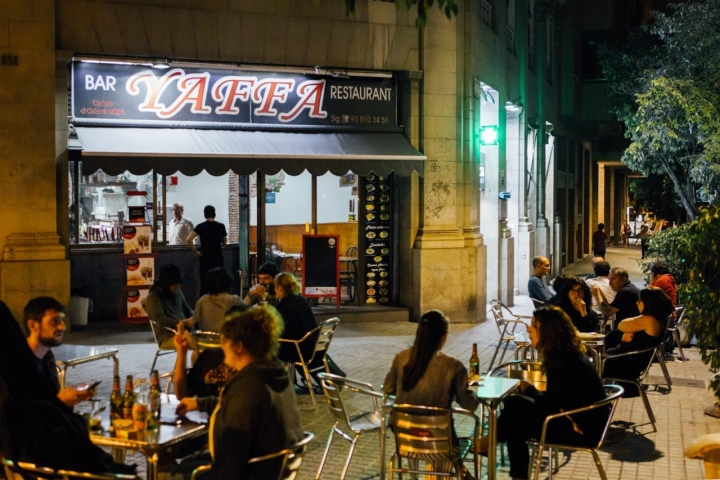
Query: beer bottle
[[153, 420], [474, 370], [116, 399], [129, 399]]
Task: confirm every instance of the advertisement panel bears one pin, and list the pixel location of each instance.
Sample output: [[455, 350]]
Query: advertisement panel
[[130, 94]]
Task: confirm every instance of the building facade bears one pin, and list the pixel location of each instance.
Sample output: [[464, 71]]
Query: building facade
[[469, 223]]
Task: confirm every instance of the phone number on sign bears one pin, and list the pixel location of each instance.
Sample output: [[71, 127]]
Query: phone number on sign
[[365, 119]]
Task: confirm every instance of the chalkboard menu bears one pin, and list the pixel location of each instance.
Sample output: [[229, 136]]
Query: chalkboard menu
[[378, 239], [321, 266]]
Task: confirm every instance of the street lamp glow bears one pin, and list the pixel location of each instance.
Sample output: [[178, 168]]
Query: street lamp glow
[[489, 135]]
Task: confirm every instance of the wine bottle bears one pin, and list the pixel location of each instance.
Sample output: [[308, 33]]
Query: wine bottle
[[116, 399], [474, 370], [153, 420], [129, 399]]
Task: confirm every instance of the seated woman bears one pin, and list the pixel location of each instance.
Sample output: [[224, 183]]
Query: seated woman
[[298, 317], [257, 412], [210, 309], [208, 373], [571, 299], [423, 375], [166, 305], [644, 331], [572, 382]]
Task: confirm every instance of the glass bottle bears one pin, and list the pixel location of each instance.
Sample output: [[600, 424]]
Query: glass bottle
[[153, 420], [474, 370], [116, 399], [129, 399]]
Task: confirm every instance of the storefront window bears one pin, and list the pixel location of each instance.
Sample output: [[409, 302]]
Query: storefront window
[[102, 204]]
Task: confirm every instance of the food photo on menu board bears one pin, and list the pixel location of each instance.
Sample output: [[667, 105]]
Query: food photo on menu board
[[139, 271], [378, 239], [136, 302], [136, 240]]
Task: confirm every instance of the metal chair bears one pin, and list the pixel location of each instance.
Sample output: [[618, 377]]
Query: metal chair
[[672, 330], [612, 394], [160, 351], [29, 470], [289, 459], [205, 340], [335, 387], [638, 383], [529, 371], [348, 275], [426, 434], [325, 331], [506, 322]]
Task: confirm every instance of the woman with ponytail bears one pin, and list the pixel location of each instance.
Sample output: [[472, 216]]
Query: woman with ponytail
[[423, 375]]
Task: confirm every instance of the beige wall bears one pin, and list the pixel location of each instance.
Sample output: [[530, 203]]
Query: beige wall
[[33, 261]]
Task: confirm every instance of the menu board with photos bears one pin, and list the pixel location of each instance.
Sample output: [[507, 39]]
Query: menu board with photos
[[377, 252], [136, 239], [139, 270], [136, 299], [139, 265]]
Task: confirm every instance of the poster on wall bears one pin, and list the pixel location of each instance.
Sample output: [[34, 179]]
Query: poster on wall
[[321, 263], [135, 299], [136, 239], [140, 271], [377, 239]]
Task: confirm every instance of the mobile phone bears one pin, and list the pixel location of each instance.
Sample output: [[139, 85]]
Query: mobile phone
[[94, 385]]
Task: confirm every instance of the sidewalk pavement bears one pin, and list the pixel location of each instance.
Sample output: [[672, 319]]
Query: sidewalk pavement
[[365, 351]]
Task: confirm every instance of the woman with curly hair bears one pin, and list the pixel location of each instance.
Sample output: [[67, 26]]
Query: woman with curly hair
[[572, 382], [572, 298], [256, 413]]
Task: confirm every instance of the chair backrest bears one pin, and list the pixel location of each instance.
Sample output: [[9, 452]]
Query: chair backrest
[[30, 470], [423, 433], [326, 331], [290, 458], [152, 328], [334, 387], [352, 252], [531, 372], [205, 340], [649, 352]]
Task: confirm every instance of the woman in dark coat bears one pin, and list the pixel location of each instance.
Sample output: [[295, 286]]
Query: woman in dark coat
[[572, 299], [572, 382], [297, 316]]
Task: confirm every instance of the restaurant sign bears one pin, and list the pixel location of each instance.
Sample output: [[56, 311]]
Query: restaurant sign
[[129, 94]]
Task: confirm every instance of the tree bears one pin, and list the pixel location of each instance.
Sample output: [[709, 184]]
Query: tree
[[664, 87], [693, 253], [448, 7], [655, 194]]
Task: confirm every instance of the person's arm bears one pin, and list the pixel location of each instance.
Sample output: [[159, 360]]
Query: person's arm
[[391, 378], [643, 323], [73, 395], [224, 240], [191, 244], [465, 397], [180, 373], [153, 306], [603, 303], [187, 310]]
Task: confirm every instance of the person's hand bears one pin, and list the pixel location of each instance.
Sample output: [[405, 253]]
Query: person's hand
[[579, 305], [258, 290], [187, 404], [595, 290], [75, 394], [523, 386], [627, 337], [197, 253], [181, 342]]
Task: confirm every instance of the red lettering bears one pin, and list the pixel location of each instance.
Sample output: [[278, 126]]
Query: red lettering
[[311, 94], [192, 91], [229, 89], [269, 90], [155, 87]]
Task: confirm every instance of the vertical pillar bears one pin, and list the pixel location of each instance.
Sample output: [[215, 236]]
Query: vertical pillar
[[601, 195]]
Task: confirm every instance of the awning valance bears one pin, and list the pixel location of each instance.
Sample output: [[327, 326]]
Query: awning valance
[[190, 151]]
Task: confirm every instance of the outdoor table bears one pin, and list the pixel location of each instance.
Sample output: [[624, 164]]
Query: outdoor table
[[491, 392], [165, 440], [596, 348], [67, 356]]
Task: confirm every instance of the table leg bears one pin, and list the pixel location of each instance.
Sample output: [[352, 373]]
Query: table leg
[[152, 467], [118, 455], [492, 441]]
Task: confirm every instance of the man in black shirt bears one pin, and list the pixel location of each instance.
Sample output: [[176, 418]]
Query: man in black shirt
[[212, 237], [44, 321], [624, 305]]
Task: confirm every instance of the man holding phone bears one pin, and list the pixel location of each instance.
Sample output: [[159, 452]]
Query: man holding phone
[[45, 324]]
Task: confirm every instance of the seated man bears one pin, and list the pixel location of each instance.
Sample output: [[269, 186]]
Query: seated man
[[45, 323], [264, 291], [166, 305], [537, 289]]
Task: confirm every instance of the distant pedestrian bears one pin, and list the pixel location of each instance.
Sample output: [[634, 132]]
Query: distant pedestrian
[[644, 239], [625, 231], [600, 241], [213, 236]]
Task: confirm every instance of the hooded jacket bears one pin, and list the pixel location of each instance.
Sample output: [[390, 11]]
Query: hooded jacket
[[256, 415]]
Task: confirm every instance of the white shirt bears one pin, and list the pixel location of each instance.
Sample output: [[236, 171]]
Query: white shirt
[[180, 230], [603, 284]]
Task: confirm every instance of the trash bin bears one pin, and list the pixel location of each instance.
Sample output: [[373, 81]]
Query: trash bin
[[79, 305]]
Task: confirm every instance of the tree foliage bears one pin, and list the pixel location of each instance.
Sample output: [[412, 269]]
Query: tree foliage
[[656, 194], [665, 85], [692, 252], [448, 7]]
